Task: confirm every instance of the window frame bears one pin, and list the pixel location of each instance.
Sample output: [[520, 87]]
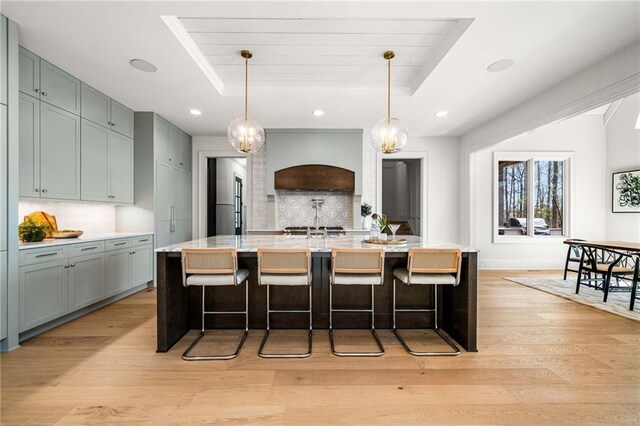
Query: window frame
[[568, 186]]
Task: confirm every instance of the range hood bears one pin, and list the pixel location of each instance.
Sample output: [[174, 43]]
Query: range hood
[[315, 177]]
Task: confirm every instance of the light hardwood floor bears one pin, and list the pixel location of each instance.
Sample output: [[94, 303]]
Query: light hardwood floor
[[542, 360]]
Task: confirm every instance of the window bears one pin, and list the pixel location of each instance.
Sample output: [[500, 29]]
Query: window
[[531, 188]]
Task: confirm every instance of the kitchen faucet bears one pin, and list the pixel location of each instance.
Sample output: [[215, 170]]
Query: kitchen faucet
[[317, 202]]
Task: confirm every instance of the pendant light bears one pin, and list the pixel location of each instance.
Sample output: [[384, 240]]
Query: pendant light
[[246, 135], [389, 135]]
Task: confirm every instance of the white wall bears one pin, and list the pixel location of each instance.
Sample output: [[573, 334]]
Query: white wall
[[623, 153], [607, 80], [585, 136]]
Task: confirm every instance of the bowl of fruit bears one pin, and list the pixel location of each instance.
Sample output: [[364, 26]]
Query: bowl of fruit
[[66, 233]]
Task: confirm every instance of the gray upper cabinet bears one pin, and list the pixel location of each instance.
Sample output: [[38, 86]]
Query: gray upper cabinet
[[3, 60], [162, 145], [95, 106], [94, 164], [59, 88], [59, 153], [120, 168], [29, 73], [180, 148], [29, 130], [121, 119]]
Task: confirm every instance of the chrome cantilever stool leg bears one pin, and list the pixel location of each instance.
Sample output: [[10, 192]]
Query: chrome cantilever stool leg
[[307, 354], [444, 337], [188, 357], [380, 352]]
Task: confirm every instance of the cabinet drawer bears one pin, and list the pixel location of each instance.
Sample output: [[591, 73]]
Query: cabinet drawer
[[142, 241], [117, 244], [86, 248], [46, 254]]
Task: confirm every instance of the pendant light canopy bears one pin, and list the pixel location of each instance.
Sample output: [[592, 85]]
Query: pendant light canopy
[[246, 135], [389, 135]]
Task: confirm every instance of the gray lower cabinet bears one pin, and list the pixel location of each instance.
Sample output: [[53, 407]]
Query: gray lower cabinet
[[43, 293], [59, 153], [59, 280], [29, 151], [3, 177], [86, 280], [118, 271]]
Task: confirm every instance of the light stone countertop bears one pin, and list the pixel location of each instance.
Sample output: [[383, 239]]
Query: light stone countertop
[[51, 242], [251, 243]]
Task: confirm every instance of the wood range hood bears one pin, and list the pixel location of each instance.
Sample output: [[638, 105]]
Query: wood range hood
[[315, 177]]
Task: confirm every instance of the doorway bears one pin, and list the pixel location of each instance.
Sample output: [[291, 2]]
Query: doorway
[[226, 210], [402, 194]]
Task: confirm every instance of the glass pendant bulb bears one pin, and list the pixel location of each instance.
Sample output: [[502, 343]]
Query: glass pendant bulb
[[389, 135], [246, 135]]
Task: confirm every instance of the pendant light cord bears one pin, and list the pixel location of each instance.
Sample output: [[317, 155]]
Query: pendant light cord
[[246, 88], [389, 91]]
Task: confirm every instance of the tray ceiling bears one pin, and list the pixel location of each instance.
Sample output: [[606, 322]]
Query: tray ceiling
[[340, 54]]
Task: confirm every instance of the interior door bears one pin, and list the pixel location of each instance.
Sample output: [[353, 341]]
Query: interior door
[[59, 153], [94, 162], [237, 196]]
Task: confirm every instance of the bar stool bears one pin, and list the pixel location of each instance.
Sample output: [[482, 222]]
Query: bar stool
[[214, 267], [285, 267], [356, 267], [428, 267]]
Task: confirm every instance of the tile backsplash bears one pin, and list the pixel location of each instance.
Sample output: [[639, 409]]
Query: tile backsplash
[[90, 218], [296, 209]]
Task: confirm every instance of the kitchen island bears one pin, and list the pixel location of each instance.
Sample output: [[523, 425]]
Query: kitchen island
[[179, 306]]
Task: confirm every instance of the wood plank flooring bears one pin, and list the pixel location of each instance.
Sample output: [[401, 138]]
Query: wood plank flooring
[[541, 360]]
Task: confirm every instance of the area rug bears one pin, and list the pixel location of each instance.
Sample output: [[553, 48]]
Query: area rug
[[617, 303]]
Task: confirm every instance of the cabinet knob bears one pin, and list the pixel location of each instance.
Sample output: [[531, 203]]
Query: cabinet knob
[[36, 90], [73, 265], [37, 190], [44, 93], [66, 266], [181, 164], [44, 190]]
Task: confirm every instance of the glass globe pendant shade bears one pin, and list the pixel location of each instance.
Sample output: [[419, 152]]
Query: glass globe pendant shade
[[246, 135], [389, 136]]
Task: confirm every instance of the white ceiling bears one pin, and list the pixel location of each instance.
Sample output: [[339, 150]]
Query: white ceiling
[[312, 53], [549, 41]]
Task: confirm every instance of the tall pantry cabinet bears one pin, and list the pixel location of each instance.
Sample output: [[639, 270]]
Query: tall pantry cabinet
[[162, 181]]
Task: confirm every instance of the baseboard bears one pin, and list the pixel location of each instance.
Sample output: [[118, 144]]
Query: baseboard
[[520, 264], [26, 335]]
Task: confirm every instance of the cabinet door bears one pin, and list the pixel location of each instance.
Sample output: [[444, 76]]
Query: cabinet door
[[29, 135], [3, 177], [43, 293], [59, 88], [183, 151], [181, 193], [3, 60], [120, 168], [141, 265], [59, 153], [163, 192], [161, 140], [3, 294], [117, 271], [94, 182], [29, 73], [163, 233], [121, 119], [86, 280], [95, 106], [182, 231], [174, 146]]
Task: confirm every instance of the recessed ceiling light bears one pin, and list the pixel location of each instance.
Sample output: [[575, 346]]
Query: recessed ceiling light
[[318, 113], [501, 65], [142, 65], [195, 112], [441, 114]]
